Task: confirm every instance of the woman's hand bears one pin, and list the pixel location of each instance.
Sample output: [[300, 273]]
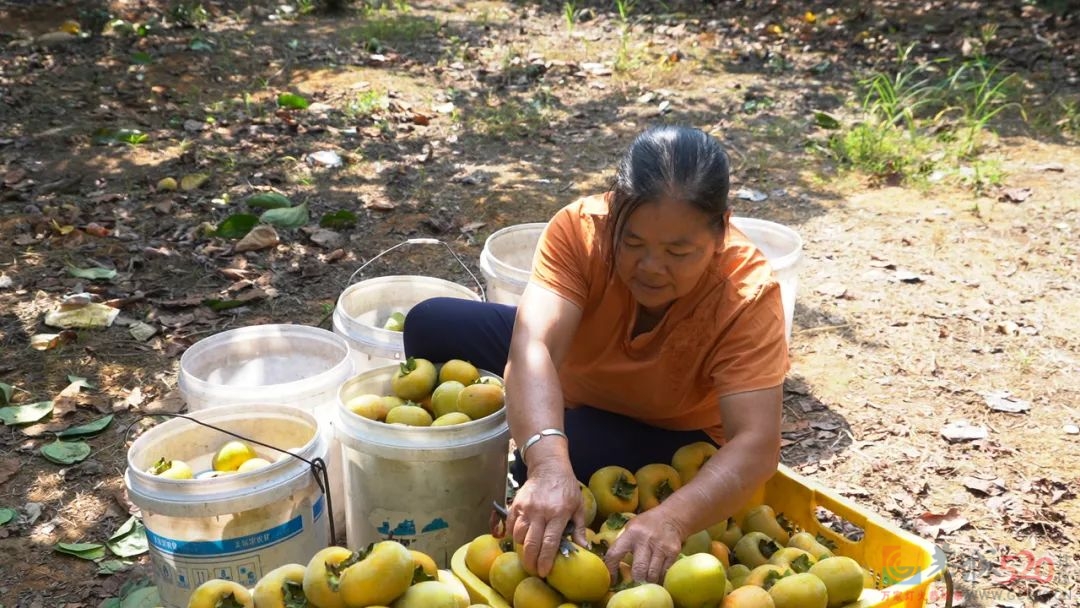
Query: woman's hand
[[653, 539], [538, 516]]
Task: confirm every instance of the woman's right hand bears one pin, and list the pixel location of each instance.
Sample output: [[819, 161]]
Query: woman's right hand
[[537, 517]]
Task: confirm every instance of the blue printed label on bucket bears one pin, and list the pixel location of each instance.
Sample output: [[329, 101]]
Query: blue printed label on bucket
[[228, 546], [318, 508], [407, 530]]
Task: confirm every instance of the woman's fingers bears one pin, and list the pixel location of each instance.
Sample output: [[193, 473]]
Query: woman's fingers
[[531, 544], [552, 538], [643, 557]]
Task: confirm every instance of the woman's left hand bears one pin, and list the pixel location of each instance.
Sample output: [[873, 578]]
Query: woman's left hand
[[653, 539]]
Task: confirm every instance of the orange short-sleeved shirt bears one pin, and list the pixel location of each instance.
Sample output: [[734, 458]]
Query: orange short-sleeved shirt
[[724, 337]]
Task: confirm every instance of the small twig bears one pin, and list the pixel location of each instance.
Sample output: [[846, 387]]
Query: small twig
[[812, 330]]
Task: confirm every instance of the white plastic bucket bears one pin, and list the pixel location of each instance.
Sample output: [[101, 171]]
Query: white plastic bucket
[[363, 308], [506, 261], [236, 527], [431, 488], [782, 247], [295, 365]]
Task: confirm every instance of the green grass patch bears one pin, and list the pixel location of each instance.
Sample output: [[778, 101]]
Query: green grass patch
[[364, 104], [508, 117], [383, 25], [925, 120]]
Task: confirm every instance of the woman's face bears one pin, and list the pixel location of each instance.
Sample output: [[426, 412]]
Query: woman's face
[[664, 250]]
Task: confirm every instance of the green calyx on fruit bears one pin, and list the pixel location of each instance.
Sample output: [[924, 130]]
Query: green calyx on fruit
[[160, 466], [755, 549], [334, 571], [616, 521], [293, 594]]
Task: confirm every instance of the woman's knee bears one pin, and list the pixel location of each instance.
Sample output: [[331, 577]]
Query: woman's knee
[[454, 328]]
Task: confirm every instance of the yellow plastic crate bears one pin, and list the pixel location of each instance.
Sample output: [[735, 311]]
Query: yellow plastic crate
[[904, 565]]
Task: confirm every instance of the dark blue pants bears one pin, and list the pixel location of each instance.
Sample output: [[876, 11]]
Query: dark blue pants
[[441, 329]]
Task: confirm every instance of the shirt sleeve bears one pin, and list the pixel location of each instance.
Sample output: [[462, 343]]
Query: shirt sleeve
[[561, 261], [753, 353]]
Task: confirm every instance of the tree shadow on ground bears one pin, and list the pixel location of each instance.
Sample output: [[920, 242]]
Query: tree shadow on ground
[[811, 432]]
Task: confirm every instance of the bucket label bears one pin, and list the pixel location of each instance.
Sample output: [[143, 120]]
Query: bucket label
[[318, 508], [190, 576], [404, 529], [229, 546]]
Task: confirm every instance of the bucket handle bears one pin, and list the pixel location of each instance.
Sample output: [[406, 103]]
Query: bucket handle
[[423, 241]]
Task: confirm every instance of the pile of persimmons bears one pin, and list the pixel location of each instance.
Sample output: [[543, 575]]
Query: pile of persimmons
[[752, 560]]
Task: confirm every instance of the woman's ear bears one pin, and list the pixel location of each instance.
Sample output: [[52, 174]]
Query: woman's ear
[[722, 238]]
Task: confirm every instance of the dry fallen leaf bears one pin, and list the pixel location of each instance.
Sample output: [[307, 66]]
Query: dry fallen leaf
[[260, 237], [932, 525], [327, 238], [962, 430], [170, 403], [1003, 401], [1015, 195], [380, 205], [832, 289], [8, 468], [990, 487], [1049, 491]]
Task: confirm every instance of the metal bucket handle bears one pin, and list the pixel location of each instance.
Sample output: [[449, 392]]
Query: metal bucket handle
[[423, 241]]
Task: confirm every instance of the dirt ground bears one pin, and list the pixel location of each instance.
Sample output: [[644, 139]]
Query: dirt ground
[[921, 304]]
